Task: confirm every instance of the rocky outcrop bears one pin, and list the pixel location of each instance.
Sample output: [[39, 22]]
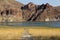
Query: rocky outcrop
[[58, 8], [32, 12], [10, 10], [13, 11]]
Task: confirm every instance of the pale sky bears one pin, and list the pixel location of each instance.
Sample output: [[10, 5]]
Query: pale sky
[[39, 2]]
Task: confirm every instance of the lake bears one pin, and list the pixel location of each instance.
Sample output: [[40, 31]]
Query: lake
[[49, 24]]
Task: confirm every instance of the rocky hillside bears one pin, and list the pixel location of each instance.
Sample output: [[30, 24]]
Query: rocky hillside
[[10, 10], [44, 12], [9, 4], [58, 8], [13, 11]]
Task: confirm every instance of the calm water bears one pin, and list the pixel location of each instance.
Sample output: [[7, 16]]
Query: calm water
[[49, 24]]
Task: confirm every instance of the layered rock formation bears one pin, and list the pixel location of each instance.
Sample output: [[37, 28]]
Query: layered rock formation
[[10, 10], [13, 11], [44, 12]]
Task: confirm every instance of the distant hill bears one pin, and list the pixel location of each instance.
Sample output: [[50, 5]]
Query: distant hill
[[10, 10], [13, 11], [44, 12], [9, 4]]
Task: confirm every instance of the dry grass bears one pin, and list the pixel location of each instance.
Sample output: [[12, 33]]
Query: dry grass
[[16, 32]]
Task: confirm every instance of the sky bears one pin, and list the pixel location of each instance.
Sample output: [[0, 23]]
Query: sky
[[39, 2]]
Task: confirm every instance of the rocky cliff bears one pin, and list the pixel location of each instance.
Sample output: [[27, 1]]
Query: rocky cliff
[[44, 12], [10, 10], [13, 11]]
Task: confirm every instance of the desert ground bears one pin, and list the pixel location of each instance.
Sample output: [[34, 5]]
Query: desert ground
[[10, 32]]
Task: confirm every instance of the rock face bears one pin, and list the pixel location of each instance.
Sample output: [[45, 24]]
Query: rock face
[[58, 8], [10, 10], [13, 11], [44, 12]]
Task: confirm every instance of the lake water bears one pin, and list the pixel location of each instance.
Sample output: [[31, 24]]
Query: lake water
[[49, 24]]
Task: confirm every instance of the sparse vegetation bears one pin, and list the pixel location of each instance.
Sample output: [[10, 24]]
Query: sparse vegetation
[[38, 33]]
